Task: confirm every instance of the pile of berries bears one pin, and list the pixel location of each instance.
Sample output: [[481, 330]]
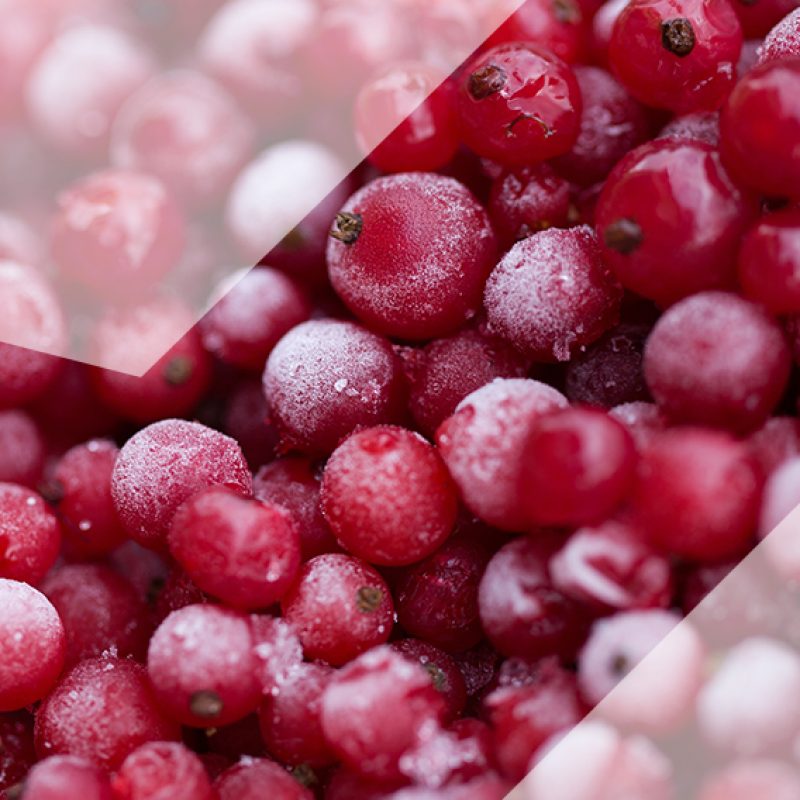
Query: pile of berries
[[424, 485]]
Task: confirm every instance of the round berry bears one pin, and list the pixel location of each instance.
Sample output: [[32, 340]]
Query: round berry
[[776, 442], [519, 105], [679, 55], [57, 777], [760, 126], [238, 549], [409, 255], [33, 645], [339, 607], [689, 242], [388, 496], [551, 294], [325, 378], [716, 359], [164, 464], [278, 652], [101, 710], [699, 126], [257, 778], [757, 18], [18, 754], [783, 41], [22, 448], [246, 419]]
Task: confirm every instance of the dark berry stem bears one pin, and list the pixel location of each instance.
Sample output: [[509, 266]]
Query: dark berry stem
[[368, 599], [677, 36], [486, 81], [348, 227], [624, 236], [178, 370], [206, 704]]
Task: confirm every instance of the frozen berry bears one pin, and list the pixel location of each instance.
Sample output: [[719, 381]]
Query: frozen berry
[[339, 607], [256, 778], [22, 448], [246, 419], [641, 419], [278, 652], [699, 126], [18, 754], [409, 255], [58, 777], [783, 41], [777, 441], [757, 18]]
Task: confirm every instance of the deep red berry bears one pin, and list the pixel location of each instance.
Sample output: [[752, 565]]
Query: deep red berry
[[603, 28], [551, 294], [612, 567], [760, 127], [33, 644], [577, 467], [519, 105], [716, 359], [641, 419], [256, 778], [757, 18], [22, 448], [388, 497], [173, 592], [18, 754], [278, 652], [164, 464], [409, 254], [521, 612], [254, 311], [325, 378], [339, 607], [30, 535], [202, 664], [242, 738], [686, 245], [699, 126], [526, 200], [101, 612], [677, 54], [405, 120], [246, 419], [117, 233], [294, 484], [776, 441], [162, 769], [612, 123], [290, 719], [81, 492], [696, 494], [57, 777], [482, 445], [783, 41], [437, 599], [101, 710], [375, 709]]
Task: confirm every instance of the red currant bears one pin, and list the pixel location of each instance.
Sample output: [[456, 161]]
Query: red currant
[[162, 769]]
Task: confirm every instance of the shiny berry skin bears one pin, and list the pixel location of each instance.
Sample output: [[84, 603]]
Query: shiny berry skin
[[612, 567], [760, 127], [783, 41], [100, 610], [521, 612], [165, 463], [202, 665], [696, 494], [257, 778], [526, 200], [22, 448], [405, 120], [551, 294], [162, 769], [375, 709], [101, 710], [689, 243], [325, 378], [339, 608], [117, 233], [519, 105], [33, 644], [409, 255], [577, 467], [81, 491], [757, 18], [482, 445], [58, 777], [388, 497], [30, 535], [18, 754], [716, 359], [679, 55], [294, 484], [290, 719], [244, 552], [437, 599], [612, 123]]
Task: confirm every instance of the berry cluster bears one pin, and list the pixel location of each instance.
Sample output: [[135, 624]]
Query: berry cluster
[[423, 486]]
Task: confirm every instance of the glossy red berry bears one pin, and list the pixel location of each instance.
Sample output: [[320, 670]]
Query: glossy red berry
[[519, 105], [339, 608], [577, 467], [33, 644], [202, 665], [101, 710], [165, 463], [760, 126], [677, 54], [409, 254], [696, 494], [757, 18], [256, 778], [57, 777], [388, 497], [551, 294], [716, 359], [687, 244], [325, 378]]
